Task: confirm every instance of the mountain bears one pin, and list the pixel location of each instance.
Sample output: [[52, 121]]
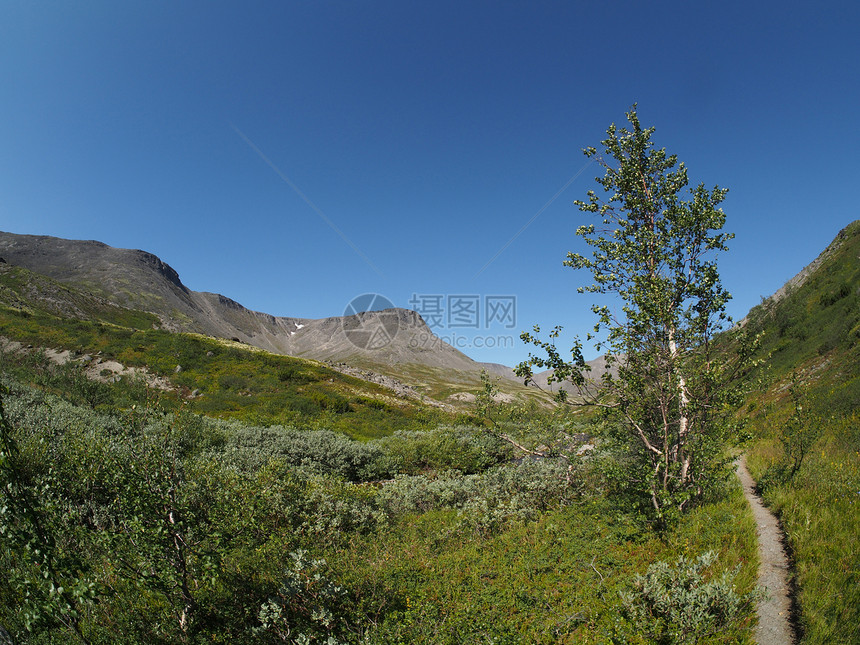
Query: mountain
[[140, 280], [396, 342], [815, 317], [598, 369]]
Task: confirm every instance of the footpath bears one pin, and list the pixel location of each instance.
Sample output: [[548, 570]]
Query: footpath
[[774, 610]]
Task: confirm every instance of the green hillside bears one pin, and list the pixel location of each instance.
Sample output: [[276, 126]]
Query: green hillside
[[805, 418], [206, 375]]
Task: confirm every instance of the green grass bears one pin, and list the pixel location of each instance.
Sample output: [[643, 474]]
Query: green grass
[[814, 333], [556, 580], [820, 512], [233, 381]]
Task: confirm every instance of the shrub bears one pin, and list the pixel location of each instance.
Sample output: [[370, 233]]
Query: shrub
[[420, 493], [305, 608], [319, 452], [333, 507], [466, 449], [374, 404], [678, 604], [293, 374], [487, 501], [518, 493], [330, 401]]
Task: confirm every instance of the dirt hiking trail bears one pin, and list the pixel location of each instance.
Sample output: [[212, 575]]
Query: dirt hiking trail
[[774, 611]]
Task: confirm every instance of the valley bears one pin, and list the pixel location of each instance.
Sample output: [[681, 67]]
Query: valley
[[380, 498]]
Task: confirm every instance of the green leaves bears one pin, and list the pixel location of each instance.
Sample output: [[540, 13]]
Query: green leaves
[[485, 399], [655, 252], [45, 571], [681, 604], [305, 608]]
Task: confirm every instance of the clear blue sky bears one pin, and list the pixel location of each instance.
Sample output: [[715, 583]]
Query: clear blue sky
[[293, 155]]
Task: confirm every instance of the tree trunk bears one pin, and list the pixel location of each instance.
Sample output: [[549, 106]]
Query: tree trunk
[[683, 419]]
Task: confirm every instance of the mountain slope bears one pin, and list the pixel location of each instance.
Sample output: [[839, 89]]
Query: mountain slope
[[394, 342], [93, 352], [803, 412], [816, 313], [140, 280]]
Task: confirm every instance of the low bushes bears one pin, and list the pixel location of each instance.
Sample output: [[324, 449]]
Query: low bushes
[[168, 527]]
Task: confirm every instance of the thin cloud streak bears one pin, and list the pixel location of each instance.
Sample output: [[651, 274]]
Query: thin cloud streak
[[534, 217], [306, 199]]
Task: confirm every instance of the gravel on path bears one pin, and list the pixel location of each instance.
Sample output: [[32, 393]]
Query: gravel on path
[[774, 610]]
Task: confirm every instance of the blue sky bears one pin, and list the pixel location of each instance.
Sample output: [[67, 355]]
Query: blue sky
[[293, 155]]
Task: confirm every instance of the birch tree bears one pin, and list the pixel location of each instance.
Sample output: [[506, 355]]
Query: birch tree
[[655, 249]]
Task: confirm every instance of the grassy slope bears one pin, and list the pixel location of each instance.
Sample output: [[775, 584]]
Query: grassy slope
[[236, 381], [814, 332], [441, 384]]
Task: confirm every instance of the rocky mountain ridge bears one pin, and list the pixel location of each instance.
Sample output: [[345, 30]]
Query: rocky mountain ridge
[[140, 280]]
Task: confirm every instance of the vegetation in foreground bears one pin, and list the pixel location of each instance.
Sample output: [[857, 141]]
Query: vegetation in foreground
[[166, 527]]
